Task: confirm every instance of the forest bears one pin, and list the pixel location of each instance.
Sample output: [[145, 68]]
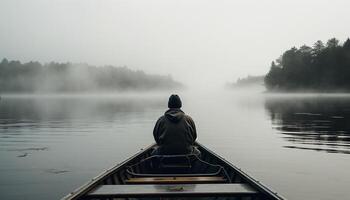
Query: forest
[[320, 68], [53, 77]]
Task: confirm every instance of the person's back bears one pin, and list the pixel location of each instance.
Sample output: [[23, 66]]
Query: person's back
[[175, 132]]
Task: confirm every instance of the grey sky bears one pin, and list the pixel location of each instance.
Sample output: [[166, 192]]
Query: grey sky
[[194, 41]]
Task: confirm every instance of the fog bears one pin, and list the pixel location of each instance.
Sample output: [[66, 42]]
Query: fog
[[52, 144], [92, 112], [197, 42], [33, 77]]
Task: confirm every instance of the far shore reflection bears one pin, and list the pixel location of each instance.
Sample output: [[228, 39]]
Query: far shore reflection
[[312, 122]]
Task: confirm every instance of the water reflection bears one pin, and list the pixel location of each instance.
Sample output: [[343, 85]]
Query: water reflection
[[26, 109], [37, 120], [56, 143], [320, 123]]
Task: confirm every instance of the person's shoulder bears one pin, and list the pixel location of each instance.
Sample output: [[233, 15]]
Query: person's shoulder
[[161, 118], [188, 117]]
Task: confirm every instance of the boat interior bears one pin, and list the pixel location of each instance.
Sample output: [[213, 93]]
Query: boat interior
[[204, 176]]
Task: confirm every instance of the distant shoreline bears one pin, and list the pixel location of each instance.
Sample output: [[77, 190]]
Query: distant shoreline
[[322, 68], [51, 78], [303, 91]]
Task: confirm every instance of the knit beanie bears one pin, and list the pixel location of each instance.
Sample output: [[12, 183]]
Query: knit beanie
[[174, 101]]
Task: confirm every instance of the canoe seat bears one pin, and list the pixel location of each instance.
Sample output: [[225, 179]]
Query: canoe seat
[[176, 180], [194, 190]]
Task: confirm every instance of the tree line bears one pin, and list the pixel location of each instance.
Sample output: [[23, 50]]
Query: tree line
[[322, 67], [67, 77]]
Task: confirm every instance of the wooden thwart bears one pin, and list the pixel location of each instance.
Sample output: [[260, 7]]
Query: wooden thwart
[[176, 180], [112, 191]]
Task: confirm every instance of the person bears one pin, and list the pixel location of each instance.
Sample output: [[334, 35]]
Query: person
[[175, 132]]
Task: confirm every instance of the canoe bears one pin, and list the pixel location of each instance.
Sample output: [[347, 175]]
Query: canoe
[[143, 176]]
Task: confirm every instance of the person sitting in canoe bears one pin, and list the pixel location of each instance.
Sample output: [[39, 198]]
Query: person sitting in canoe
[[175, 132]]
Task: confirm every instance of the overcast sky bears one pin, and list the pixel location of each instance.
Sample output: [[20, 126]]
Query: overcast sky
[[194, 41]]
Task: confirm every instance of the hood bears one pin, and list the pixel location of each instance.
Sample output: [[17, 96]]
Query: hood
[[174, 115]]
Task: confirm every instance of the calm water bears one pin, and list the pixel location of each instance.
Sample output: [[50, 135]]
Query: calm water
[[299, 145]]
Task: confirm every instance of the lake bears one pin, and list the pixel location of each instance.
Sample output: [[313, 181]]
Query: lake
[[298, 145]]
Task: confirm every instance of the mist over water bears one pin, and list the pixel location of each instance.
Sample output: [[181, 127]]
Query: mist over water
[[82, 84], [56, 143]]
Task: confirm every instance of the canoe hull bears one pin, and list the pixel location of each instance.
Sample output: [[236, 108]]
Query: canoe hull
[[116, 179]]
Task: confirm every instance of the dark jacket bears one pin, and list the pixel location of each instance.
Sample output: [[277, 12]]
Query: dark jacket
[[175, 133]]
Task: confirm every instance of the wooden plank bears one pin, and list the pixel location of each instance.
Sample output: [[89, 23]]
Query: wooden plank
[[186, 190], [176, 180]]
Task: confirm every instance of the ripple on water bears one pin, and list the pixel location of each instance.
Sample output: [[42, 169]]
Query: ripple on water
[[320, 123]]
